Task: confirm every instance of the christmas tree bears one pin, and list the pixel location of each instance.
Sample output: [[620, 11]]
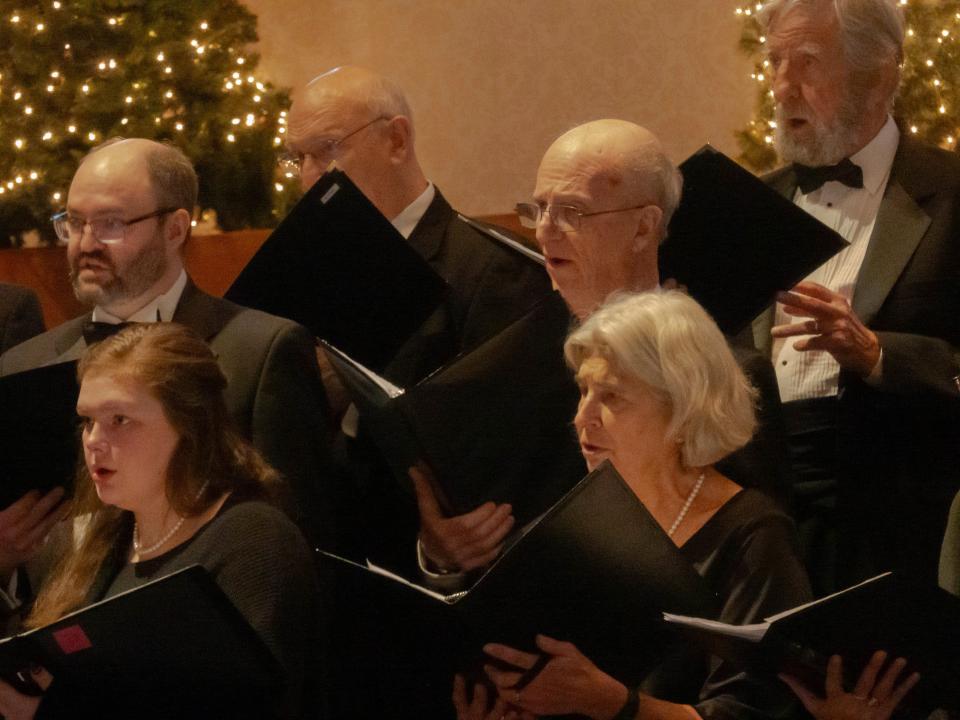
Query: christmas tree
[[76, 72], [928, 105]]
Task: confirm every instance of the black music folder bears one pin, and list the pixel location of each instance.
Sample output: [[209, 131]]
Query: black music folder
[[173, 645], [38, 430], [910, 620], [338, 267], [596, 569], [494, 424], [734, 241]]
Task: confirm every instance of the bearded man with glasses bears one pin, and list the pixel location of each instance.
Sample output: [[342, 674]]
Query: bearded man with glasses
[[126, 223]]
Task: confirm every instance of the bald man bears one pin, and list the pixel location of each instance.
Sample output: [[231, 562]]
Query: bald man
[[362, 121], [604, 196], [126, 225]]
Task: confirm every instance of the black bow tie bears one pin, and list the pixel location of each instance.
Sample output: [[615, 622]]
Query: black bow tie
[[94, 332], [813, 178]]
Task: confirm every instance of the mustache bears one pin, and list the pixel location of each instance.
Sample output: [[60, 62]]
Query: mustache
[[98, 257], [796, 110]]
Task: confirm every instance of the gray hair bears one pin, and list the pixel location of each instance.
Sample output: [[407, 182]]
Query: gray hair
[[172, 177], [667, 342], [872, 32], [385, 99], [666, 183]]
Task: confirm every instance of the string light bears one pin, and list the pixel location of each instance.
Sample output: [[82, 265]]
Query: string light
[[246, 120]]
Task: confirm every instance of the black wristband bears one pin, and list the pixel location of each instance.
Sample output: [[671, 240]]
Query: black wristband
[[630, 707]]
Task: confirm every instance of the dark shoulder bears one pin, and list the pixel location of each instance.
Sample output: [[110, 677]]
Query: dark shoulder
[[252, 523], [750, 509], [41, 349], [922, 167], [749, 524], [14, 295]]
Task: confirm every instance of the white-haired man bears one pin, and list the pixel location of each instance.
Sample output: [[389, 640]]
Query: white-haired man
[[868, 390]]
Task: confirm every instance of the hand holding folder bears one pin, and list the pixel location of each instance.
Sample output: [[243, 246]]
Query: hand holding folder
[[596, 569], [462, 543], [888, 612], [734, 241], [877, 692]]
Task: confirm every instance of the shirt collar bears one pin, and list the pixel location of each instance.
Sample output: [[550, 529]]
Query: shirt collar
[[160, 308], [408, 218], [876, 157]]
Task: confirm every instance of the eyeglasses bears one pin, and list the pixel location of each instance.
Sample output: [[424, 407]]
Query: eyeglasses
[[567, 218], [322, 152], [108, 230]]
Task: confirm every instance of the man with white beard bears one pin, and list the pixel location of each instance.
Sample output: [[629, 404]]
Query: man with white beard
[[865, 348]]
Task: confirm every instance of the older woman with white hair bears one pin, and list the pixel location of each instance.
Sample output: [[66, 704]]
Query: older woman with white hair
[[663, 399]]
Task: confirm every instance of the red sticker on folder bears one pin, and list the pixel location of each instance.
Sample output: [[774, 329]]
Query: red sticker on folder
[[72, 639]]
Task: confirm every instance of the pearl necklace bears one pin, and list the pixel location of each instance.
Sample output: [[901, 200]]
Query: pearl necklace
[[140, 551], [686, 506]]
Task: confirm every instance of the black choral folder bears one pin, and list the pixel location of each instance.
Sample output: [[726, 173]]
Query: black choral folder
[[173, 644], [596, 570], [917, 622], [38, 430], [494, 424], [337, 266], [734, 241]]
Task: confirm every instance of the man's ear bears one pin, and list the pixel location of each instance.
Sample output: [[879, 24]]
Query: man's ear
[[177, 228], [400, 134], [648, 229]]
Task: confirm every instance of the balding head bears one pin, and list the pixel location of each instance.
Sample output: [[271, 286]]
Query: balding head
[[363, 121], [626, 162], [617, 176], [170, 173]]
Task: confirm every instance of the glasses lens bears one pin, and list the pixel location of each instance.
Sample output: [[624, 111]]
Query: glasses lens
[[566, 218], [60, 226], [528, 214], [108, 230]]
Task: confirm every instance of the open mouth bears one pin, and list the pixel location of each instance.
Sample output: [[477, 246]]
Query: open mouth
[[101, 474], [557, 262], [797, 123]]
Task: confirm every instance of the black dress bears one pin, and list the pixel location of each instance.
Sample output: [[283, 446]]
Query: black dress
[[263, 565], [747, 552]]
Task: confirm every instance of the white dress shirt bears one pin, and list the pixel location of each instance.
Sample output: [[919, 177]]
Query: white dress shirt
[[852, 212]]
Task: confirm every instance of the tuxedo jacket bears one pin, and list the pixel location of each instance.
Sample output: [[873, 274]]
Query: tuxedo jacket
[[273, 386], [20, 315], [900, 439]]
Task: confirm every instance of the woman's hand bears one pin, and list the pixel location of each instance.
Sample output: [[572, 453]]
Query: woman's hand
[[461, 543], [870, 700], [476, 708], [569, 683], [15, 705]]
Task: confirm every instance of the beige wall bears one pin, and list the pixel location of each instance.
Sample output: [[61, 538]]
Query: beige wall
[[492, 82]]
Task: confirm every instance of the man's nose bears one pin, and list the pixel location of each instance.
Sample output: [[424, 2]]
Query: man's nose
[[783, 82]]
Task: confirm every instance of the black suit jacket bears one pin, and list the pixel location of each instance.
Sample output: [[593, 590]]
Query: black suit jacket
[[900, 440], [273, 392], [20, 315], [486, 293]]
